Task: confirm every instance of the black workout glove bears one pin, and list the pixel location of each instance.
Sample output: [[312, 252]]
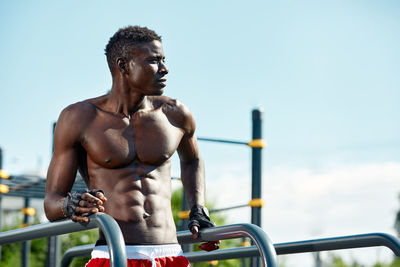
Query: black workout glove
[[199, 217], [71, 202]]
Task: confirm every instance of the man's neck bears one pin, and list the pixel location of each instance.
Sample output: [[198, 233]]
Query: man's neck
[[124, 101]]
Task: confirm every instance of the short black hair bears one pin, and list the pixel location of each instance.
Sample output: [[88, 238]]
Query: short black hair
[[123, 42]]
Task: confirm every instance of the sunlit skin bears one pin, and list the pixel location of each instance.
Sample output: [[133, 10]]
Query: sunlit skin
[[122, 143]]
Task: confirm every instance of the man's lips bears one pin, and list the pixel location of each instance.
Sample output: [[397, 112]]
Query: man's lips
[[162, 82]]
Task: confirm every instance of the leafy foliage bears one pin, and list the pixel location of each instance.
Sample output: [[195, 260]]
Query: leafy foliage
[[337, 261], [11, 253], [78, 239]]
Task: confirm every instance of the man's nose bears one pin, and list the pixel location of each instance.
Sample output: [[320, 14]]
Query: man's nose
[[163, 68]]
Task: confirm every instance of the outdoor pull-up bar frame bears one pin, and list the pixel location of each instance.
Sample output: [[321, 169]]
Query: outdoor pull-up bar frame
[[313, 245], [256, 144], [263, 245]]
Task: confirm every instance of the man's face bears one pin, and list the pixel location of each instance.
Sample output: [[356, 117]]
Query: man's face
[[147, 69]]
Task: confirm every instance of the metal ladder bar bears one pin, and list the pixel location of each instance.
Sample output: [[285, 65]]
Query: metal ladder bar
[[103, 221]]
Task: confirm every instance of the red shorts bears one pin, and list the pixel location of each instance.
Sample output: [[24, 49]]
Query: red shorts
[[143, 256]]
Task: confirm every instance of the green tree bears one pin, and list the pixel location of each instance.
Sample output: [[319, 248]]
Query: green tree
[[395, 263], [78, 239], [11, 253], [337, 261]]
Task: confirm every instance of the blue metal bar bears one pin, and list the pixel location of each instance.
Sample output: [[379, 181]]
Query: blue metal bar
[[105, 222], [215, 140], [257, 235], [256, 172], [78, 251], [341, 242], [263, 244], [229, 208], [256, 164], [324, 244], [223, 254], [314, 245]]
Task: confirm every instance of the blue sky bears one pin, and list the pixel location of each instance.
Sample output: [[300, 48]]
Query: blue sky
[[324, 72]]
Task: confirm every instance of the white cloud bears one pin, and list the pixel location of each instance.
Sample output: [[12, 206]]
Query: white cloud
[[302, 203]]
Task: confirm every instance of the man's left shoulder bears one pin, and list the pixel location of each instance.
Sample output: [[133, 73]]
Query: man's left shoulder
[[170, 106], [176, 111]]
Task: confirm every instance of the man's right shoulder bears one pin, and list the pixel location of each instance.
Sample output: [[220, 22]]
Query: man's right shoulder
[[80, 112]]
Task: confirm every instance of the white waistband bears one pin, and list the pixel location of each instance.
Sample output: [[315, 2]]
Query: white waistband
[[144, 252]]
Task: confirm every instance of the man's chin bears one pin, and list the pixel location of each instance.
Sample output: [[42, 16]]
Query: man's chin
[[158, 91]]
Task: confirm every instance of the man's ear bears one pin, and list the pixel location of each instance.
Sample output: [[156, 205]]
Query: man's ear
[[121, 63]]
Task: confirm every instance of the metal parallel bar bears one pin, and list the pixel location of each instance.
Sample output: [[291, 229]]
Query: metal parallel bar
[[115, 240], [324, 244], [222, 141], [335, 243], [223, 254], [43, 230], [78, 251], [264, 245], [259, 237], [105, 222], [342, 242]]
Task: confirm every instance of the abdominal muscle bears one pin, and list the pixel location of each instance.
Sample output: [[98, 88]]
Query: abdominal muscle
[[139, 199]]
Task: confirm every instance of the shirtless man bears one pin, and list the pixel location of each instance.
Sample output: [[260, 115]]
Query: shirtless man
[[122, 143]]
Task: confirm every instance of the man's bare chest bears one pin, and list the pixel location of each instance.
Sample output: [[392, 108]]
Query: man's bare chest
[[113, 142]]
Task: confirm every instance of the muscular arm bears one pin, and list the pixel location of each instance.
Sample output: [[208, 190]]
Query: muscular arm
[[192, 174], [192, 171], [63, 166], [192, 166], [64, 163]]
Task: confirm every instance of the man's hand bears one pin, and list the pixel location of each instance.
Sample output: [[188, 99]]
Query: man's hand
[[199, 218], [79, 205]]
